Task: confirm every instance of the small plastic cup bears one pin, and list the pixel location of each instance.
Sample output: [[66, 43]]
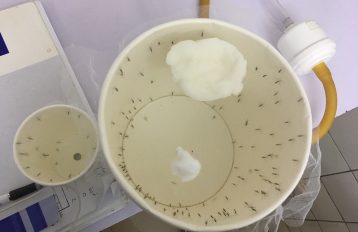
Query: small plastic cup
[[56, 145]]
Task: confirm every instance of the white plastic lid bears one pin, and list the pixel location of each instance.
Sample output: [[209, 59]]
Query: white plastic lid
[[305, 45]]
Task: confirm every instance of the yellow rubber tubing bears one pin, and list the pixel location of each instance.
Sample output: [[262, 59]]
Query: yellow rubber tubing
[[204, 8], [324, 75]]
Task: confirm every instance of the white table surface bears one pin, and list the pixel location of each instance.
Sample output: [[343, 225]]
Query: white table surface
[[93, 32]]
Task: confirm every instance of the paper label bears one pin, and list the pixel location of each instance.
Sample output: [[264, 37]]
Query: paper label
[[24, 38]]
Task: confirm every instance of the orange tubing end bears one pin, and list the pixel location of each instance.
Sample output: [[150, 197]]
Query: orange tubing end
[[204, 8]]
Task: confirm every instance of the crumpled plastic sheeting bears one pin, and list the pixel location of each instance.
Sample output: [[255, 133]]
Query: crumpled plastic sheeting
[[91, 54], [295, 209]]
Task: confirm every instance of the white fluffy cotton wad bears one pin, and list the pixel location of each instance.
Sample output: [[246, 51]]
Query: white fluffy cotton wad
[[185, 166], [207, 69]]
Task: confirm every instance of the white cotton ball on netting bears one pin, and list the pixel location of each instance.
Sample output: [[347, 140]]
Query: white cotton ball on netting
[[207, 69], [185, 166]]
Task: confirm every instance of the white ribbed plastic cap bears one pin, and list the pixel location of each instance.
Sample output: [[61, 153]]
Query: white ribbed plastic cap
[[305, 45]]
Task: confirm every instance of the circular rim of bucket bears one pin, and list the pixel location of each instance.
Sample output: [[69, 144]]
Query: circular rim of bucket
[[126, 185]]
